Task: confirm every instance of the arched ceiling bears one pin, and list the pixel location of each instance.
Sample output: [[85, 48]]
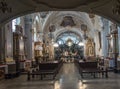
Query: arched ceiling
[[75, 31], [75, 37], [56, 17], [21, 7], [78, 18]]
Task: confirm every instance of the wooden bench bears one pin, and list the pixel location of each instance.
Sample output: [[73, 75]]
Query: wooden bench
[[46, 68], [93, 72], [91, 68]]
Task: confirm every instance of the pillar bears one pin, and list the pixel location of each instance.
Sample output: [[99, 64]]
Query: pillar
[[8, 40], [104, 40], [118, 59], [114, 40], [28, 32], [119, 43], [2, 45], [97, 43], [115, 52]]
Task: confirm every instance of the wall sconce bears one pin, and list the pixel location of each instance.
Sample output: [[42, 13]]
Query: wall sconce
[[4, 8]]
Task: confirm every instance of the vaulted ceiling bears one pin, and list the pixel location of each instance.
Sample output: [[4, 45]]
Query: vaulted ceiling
[[14, 8], [65, 21]]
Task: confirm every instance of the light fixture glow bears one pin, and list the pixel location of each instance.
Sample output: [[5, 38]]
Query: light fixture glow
[[55, 45], [69, 42], [81, 44], [38, 47]]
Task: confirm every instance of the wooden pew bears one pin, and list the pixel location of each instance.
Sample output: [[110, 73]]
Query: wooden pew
[[91, 68], [46, 68]]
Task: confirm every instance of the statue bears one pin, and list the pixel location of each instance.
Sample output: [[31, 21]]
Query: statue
[[90, 47]]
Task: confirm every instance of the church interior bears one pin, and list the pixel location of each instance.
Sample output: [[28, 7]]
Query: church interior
[[59, 44]]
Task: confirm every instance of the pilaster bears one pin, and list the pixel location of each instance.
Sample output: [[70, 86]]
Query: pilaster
[[119, 43], [104, 33], [2, 45], [28, 33]]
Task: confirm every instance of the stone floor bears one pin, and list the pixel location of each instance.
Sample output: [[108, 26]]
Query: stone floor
[[68, 78]]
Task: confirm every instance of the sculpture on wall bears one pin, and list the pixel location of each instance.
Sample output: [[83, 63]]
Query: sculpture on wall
[[38, 49], [51, 51], [90, 48]]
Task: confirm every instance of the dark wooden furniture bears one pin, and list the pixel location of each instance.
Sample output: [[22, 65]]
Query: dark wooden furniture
[[46, 68], [2, 71], [91, 68]]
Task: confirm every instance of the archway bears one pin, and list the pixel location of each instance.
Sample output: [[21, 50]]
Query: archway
[[69, 47], [103, 8]]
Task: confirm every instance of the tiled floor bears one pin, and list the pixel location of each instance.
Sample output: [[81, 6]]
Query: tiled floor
[[68, 78]]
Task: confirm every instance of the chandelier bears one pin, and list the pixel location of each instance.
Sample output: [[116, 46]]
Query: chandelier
[[4, 8]]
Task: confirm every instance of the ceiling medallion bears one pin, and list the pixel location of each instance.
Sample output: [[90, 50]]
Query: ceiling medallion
[[51, 28], [67, 21]]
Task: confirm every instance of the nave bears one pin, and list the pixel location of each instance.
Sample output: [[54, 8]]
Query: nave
[[41, 39], [68, 78]]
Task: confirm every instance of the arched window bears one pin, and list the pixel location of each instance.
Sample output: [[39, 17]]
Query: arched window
[[15, 22]]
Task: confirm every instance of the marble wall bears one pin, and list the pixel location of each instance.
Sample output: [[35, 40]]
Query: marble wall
[[8, 40]]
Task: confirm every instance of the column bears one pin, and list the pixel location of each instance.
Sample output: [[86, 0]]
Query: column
[[118, 59], [109, 45], [97, 43], [119, 42], [28, 33], [2, 45], [115, 53], [8, 41], [104, 40]]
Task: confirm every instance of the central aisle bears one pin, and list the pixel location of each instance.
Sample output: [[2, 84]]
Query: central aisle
[[69, 77]]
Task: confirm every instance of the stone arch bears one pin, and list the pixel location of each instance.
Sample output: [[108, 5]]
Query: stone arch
[[80, 17], [27, 7], [55, 16], [74, 31]]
